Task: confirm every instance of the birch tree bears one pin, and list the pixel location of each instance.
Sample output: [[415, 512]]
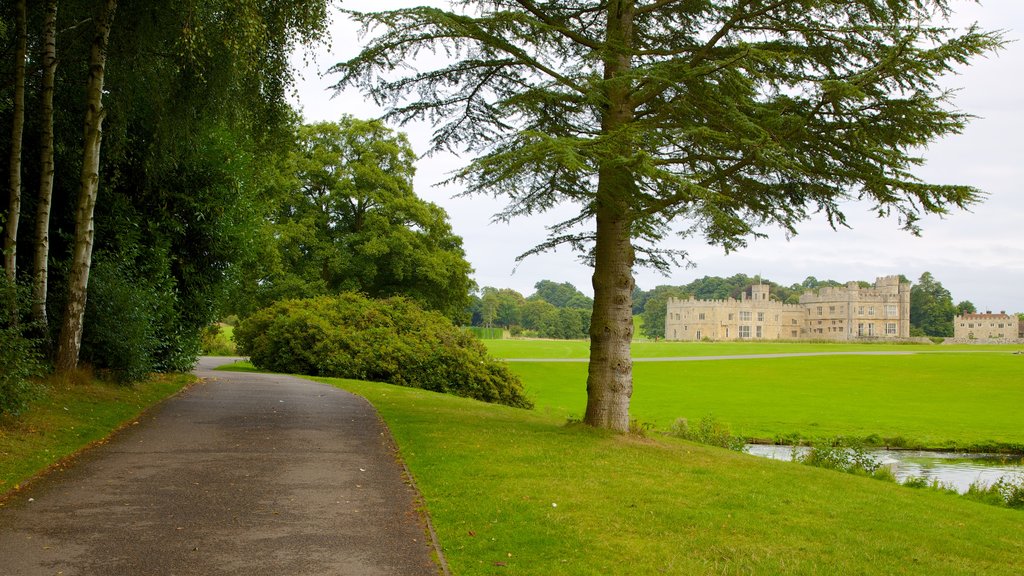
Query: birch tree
[[40, 270], [712, 119], [10, 246], [70, 341]]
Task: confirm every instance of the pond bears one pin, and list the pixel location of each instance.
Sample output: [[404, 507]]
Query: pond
[[956, 469]]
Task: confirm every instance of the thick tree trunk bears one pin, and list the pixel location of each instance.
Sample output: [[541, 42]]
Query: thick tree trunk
[[41, 270], [70, 341], [610, 377], [17, 128]]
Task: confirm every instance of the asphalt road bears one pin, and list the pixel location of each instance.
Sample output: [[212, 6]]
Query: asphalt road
[[245, 474]]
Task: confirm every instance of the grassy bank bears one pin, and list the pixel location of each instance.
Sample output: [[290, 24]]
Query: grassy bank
[[519, 492], [929, 400], [70, 416], [581, 348]]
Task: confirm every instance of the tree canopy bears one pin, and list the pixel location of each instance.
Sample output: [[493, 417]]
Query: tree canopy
[[347, 218], [194, 108], [714, 118], [931, 308]]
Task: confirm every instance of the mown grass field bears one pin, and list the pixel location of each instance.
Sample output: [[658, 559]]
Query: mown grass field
[[70, 416], [931, 400], [520, 492], [646, 349]]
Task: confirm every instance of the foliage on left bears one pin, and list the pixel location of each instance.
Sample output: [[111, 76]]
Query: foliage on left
[[392, 340], [196, 116], [19, 361]]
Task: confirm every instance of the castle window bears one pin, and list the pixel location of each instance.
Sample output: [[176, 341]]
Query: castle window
[[760, 318], [730, 318], [700, 316], [744, 316], [890, 328], [758, 331], [831, 309], [744, 331], [698, 335], [819, 310], [890, 310], [860, 310], [871, 311]]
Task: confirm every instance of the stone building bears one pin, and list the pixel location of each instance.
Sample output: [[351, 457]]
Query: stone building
[[987, 327], [843, 313]]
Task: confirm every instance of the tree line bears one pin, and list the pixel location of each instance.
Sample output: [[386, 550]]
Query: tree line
[[142, 138], [554, 310]]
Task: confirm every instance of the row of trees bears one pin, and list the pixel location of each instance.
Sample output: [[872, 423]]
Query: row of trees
[[126, 251], [209, 198], [554, 310]]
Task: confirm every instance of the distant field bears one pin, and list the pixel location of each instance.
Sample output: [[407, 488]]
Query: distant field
[[933, 400], [581, 348]]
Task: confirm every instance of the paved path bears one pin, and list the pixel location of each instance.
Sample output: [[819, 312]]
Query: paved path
[[725, 357], [246, 474]]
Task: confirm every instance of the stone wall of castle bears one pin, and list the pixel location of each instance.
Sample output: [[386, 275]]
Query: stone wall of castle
[[843, 313], [986, 328]]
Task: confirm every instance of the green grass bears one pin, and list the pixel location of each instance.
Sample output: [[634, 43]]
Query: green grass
[[581, 348], [930, 400], [519, 492], [69, 417]]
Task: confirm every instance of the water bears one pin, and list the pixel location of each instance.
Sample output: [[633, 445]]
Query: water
[[955, 469]]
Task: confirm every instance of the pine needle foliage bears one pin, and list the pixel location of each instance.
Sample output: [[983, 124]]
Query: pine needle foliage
[[712, 119]]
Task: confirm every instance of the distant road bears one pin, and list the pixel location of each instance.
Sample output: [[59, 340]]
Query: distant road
[[726, 357]]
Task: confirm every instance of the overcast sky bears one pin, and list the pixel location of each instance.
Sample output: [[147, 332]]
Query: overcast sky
[[977, 255]]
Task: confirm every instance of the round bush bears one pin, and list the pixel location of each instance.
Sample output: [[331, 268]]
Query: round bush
[[393, 340]]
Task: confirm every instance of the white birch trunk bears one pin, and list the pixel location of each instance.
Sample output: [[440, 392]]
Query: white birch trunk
[[70, 341], [42, 244], [17, 128]]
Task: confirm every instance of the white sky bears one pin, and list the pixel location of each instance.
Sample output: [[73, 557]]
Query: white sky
[[978, 256]]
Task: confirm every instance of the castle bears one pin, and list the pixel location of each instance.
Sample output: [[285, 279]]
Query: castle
[[841, 313]]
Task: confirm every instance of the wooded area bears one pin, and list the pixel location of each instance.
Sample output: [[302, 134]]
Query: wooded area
[[142, 139]]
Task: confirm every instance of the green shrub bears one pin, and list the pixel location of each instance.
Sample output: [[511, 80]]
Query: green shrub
[[845, 456], [19, 359], [119, 337], [393, 340], [216, 342], [708, 431]]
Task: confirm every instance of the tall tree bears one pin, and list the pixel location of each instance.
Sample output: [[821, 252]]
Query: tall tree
[[966, 307], [931, 308], [350, 220], [655, 309], [10, 246], [70, 341], [722, 117], [561, 295], [40, 270]]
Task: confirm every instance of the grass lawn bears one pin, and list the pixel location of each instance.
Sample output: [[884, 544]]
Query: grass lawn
[[519, 492], [646, 349], [68, 418], [930, 400]]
